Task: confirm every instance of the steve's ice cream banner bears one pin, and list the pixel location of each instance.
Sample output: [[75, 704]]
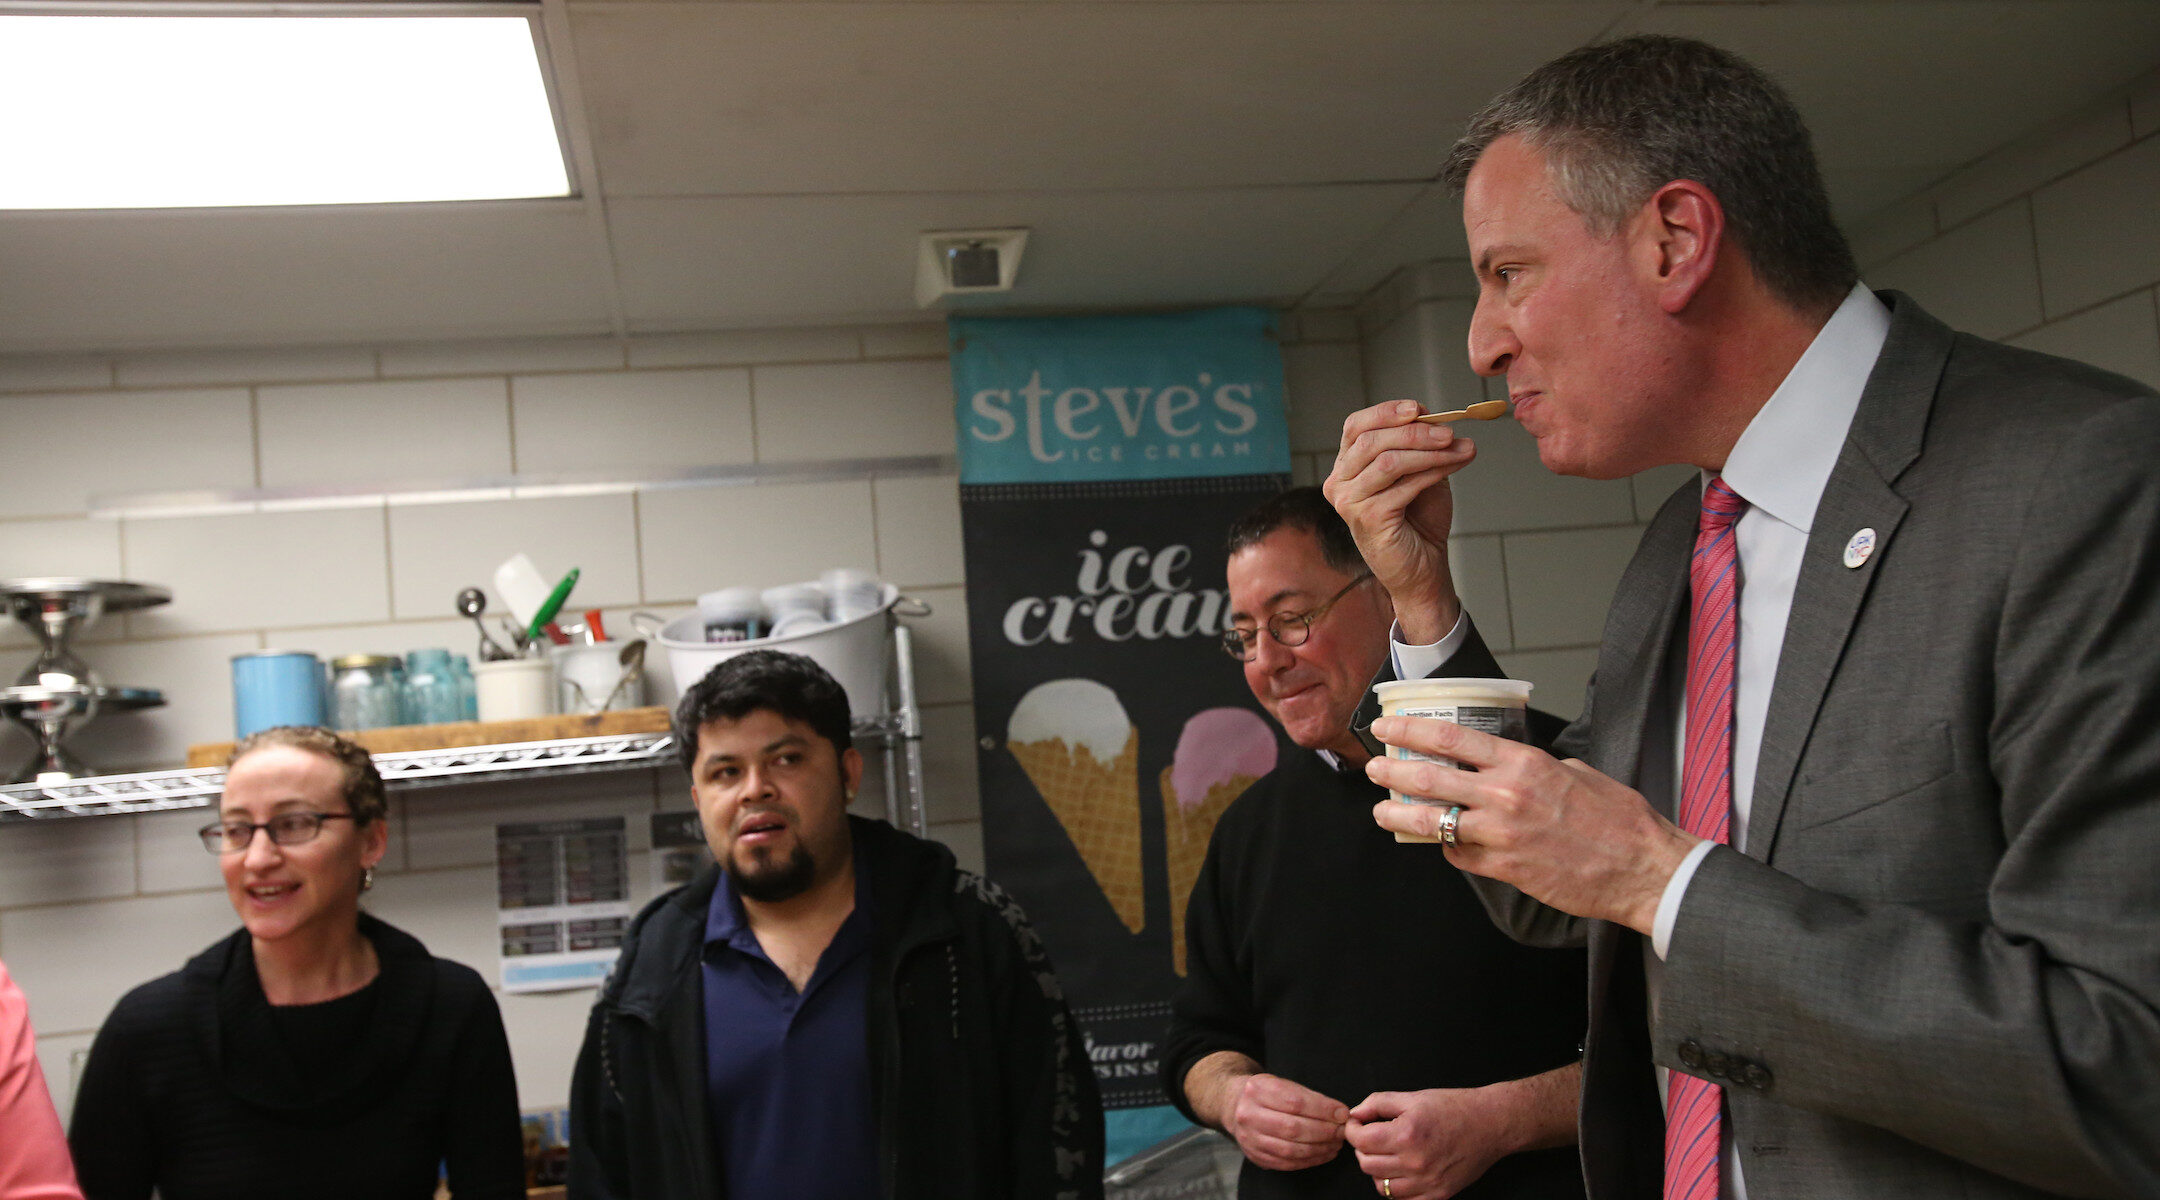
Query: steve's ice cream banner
[[1101, 462]]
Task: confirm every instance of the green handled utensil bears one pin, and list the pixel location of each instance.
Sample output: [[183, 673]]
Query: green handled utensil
[[552, 605]]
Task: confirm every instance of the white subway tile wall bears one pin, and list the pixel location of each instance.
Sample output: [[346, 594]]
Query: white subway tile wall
[[1980, 277], [632, 420], [55, 863], [745, 346], [1480, 571], [695, 539], [1559, 584], [72, 546], [918, 530], [372, 433], [184, 368], [2032, 161], [1894, 230], [50, 372], [904, 341], [74, 960], [2099, 230], [2121, 335], [118, 442], [1328, 384], [866, 410], [438, 549], [498, 357], [1537, 555], [261, 570]]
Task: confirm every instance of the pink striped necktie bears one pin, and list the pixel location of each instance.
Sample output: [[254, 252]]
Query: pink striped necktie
[[1692, 1105]]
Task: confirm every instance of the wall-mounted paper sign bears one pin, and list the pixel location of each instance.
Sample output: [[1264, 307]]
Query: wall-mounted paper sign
[[562, 901]]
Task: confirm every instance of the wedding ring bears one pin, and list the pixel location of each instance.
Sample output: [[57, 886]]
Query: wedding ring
[[1449, 820], [1387, 1188]]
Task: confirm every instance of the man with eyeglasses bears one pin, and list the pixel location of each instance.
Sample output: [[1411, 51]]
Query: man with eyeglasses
[[1320, 1038]]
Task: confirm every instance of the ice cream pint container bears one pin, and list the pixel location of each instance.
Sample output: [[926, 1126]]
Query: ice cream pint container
[[1500, 707]]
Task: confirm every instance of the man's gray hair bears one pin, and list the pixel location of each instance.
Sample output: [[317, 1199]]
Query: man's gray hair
[[1618, 121]]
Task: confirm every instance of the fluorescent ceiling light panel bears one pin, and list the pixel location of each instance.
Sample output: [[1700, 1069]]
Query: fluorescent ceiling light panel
[[203, 111]]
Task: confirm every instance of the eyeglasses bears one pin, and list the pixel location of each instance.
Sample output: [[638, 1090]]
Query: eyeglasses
[[286, 829], [1287, 628]]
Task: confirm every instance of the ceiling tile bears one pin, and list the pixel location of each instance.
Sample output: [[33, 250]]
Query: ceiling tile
[[280, 276], [719, 261], [742, 99]]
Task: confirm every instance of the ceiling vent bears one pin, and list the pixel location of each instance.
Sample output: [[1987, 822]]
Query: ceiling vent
[[961, 262]]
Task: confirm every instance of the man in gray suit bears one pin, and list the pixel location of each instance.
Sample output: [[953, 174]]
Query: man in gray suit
[[1867, 852]]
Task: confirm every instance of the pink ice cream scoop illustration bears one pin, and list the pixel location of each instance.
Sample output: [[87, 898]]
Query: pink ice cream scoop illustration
[[1221, 752]]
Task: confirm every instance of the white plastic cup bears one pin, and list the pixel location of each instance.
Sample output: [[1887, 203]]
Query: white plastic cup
[[513, 689], [1500, 707], [789, 599], [851, 593]]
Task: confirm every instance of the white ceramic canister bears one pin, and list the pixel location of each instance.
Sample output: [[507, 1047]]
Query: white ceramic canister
[[1500, 707], [512, 689]]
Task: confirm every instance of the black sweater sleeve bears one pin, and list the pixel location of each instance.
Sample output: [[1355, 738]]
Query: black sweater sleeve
[[1213, 1009], [483, 1145], [110, 1133]]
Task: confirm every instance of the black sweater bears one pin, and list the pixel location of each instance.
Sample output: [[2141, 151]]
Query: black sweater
[[1343, 960], [191, 1088]]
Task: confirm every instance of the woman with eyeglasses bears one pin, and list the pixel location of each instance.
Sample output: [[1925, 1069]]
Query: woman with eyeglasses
[[317, 1051]]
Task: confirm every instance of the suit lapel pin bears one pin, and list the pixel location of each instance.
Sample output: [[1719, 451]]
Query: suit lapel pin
[[1858, 549]]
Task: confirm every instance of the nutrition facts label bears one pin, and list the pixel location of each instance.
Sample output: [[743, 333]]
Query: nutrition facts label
[[1510, 723], [562, 901]]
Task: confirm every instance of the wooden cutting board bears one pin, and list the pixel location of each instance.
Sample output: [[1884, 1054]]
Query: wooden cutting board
[[459, 734]]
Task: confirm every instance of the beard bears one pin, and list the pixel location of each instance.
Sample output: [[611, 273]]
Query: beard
[[770, 880]]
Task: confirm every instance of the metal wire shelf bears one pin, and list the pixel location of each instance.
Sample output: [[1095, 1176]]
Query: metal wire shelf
[[162, 791], [167, 791]]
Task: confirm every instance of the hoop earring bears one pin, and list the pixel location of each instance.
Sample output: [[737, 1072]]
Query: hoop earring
[[367, 878]]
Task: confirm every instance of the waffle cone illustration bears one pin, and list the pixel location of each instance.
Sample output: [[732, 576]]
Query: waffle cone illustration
[[1082, 752], [1220, 753]]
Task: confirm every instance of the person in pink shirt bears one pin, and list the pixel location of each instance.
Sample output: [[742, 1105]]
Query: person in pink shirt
[[34, 1162]]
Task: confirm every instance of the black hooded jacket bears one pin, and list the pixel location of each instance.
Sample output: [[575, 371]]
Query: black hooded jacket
[[979, 1079]]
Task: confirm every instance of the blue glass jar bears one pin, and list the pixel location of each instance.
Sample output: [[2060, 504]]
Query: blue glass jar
[[468, 690], [431, 690], [364, 692]]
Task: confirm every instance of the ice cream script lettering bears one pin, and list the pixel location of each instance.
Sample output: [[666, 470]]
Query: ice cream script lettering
[[1133, 592]]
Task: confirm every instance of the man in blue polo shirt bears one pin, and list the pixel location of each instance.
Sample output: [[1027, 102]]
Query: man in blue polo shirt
[[834, 1010]]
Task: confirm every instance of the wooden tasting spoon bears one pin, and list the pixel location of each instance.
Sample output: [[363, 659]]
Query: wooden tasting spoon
[[1483, 410]]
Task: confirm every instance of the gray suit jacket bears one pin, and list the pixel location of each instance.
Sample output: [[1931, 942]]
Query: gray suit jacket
[[1934, 970]]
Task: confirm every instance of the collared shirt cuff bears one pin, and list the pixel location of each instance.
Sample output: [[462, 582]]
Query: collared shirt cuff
[[1416, 662], [1668, 907]]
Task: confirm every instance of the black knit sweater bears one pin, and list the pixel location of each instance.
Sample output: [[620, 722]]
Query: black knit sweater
[[198, 1088], [1350, 963]]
